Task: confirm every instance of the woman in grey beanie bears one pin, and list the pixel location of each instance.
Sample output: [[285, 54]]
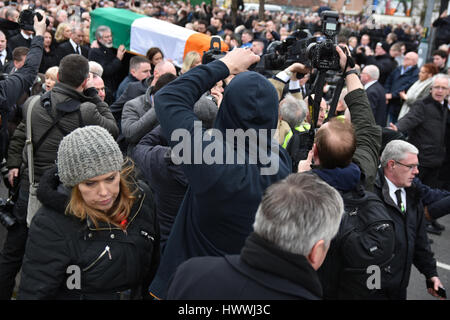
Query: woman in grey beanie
[[97, 235]]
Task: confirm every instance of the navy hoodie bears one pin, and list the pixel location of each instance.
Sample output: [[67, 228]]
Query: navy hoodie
[[220, 204]]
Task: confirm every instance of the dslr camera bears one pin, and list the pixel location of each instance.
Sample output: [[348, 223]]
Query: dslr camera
[[313, 52], [214, 52], [26, 18], [6, 217]]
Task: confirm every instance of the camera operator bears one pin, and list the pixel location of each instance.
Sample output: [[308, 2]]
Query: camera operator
[[346, 156], [12, 88], [367, 135]]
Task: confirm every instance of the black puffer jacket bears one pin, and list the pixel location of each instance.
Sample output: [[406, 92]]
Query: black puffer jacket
[[110, 261]]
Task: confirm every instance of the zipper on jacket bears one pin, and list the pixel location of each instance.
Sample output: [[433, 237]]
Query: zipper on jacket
[[107, 250]]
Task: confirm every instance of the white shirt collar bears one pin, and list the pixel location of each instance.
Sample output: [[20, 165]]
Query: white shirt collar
[[74, 45], [25, 35], [392, 189], [3, 56], [368, 84]]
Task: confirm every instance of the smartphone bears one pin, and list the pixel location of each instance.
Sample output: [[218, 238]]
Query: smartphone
[[441, 291]]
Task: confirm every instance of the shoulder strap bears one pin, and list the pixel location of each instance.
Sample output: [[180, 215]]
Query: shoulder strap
[[55, 123], [29, 141]]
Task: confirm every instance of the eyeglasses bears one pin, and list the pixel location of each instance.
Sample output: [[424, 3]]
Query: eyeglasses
[[409, 166]]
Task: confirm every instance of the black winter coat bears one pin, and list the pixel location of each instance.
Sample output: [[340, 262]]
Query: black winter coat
[[377, 98], [385, 63], [261, 272], [411, 240], [111, 65], [425, 124], [113, 263], [167, 180]]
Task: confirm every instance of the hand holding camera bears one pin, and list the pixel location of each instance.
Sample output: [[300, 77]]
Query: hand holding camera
[[239, 60], [40, 24]]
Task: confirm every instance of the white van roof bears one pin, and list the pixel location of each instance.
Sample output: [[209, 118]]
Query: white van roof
[[268, 7]]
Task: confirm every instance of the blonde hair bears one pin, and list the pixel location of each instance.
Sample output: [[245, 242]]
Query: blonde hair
[[52, 73], [59, 34], [189, 60], [121, 209]]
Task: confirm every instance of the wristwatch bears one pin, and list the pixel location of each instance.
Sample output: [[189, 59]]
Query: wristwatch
[[350, 72]]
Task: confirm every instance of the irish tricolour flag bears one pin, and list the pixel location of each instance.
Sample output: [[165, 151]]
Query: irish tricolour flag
[[138, 33]]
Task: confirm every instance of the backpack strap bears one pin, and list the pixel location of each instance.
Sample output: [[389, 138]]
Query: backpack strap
[[47, 105], [29, 141]]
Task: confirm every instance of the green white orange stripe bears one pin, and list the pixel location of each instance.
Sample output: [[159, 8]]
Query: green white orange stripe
[[139, 33]]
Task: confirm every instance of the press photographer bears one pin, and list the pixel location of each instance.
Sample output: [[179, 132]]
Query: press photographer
[[12, 87]]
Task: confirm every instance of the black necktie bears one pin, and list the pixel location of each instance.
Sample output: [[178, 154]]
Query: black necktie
[[398, 194], [303, 92], [78, 49]]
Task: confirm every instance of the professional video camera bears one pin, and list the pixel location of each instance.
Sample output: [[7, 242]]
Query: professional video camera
[[313, 52]]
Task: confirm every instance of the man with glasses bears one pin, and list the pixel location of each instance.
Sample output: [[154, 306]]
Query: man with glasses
[[395, 186], [425, 125]]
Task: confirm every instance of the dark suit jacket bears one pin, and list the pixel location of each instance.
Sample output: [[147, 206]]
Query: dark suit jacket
[[18, 41], [8, 58], [376, 96], [133, 90], [397, 82], [111, 65], [65, 48]]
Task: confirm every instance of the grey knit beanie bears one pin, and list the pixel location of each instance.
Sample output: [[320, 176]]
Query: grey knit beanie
[[86, 153]]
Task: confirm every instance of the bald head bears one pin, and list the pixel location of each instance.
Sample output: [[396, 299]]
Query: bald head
[[370, 73], [410, 59], [162, 68]]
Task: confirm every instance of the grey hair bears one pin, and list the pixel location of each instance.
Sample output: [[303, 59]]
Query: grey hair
[[10, 12], [298, 211], [372, 71], [293, 110], [76, 27], [95, 68], [441, 76], [100, 30], [397, 150]]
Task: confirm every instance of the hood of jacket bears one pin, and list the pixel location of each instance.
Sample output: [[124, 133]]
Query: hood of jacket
[[343, 179], [250, 106], [256, 109]]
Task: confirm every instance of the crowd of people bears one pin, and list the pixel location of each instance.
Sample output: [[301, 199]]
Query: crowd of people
[[126, 211]]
